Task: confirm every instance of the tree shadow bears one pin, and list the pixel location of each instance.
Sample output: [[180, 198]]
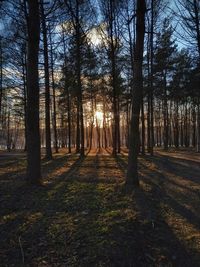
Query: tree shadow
[[151, 197], [185, 168], [82, 217]]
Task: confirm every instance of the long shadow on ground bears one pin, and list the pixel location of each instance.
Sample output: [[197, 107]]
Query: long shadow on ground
[[170, 204], [82, 217]]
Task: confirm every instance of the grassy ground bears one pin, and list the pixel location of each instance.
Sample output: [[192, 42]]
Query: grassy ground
[[82, 216]]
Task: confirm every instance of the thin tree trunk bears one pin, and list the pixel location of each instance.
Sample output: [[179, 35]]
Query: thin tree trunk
[[8, 133], [127, 124], [181, 130], [47, 87], [148, 123], [104, 125], [151, 80], [114, 85], [24, 73], [114, 152], [198, 125], [176, 128], [1, 75], [165, 115], [169, 123], [186, 141], [118, 128], [193, 127], [54, 99], [68, 101], [143, 127], [92, 123], [69, 120], [78, 128], [148, 98], [80, 131]]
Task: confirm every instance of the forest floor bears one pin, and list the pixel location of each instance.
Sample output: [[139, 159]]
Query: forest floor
[[82, 216]]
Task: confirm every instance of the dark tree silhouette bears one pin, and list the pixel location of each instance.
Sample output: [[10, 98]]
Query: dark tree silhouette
[[132, 169], [33, 133]]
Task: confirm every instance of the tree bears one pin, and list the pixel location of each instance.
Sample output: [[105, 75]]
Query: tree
[[1, 73], [155, 7], [188, 15], [132, 169], [1, 64], [54, 97], [164, 66], [33, 133], [179, 90], [78, 12], [47, 86], [110, 11]]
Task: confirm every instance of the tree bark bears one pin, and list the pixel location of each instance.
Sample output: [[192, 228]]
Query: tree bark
[[193, 127], [1, 75], [132, 170], [176, 126], [151, 80], [47, 87], [24, 78], [80, 131], [104, 124], [198, 125], [8, 141], [143, 127], [165, 116], [33, 133], [54, 99]]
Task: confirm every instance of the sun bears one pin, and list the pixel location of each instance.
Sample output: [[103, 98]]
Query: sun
[[99, 115], [99, 118]]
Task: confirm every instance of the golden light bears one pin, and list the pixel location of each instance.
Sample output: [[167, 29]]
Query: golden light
[[99, 116]]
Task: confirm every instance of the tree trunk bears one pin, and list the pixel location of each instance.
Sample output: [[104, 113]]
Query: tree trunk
[[47, 87], [113, 75], [193, 127], [127, 124], [198, 125], [1, 75], [118, 128], [165, 116], [114, 152], [24, 77], [104, 124], [148, 97], [69, 120], [8, 141], [80, 130], [54, 99], [33, 132], [143, 127], [151, 79], [186, 141], [78, 127], [176, 127], [132, 170], [181, 129]]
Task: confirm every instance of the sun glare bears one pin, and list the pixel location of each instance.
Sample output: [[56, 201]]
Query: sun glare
[[99, 116]]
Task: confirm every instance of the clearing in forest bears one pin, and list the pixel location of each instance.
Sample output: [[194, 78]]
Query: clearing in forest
[[82, 216]]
